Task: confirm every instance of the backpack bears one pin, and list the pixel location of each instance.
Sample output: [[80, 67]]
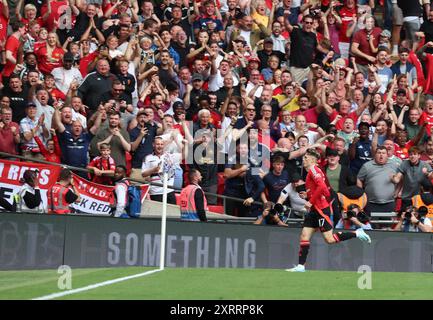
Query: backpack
[[133, 208], [133, 205]]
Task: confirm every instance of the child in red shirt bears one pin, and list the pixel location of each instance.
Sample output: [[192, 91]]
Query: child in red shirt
[[103, 166], [52, 152]]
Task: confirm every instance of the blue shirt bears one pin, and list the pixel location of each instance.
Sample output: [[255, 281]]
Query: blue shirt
[[275, 184], [145, 147], [74, 151], [362, 155], [173, 54]]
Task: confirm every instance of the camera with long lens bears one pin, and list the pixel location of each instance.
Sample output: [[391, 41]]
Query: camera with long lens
[[361, 216], [407, 214], [281, 211], [350, 214]]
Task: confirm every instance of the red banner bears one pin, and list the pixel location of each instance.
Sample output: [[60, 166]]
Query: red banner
[[95, 198]]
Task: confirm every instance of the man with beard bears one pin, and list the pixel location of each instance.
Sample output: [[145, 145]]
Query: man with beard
[[383, 71], [114, 135], [142, 137], [266, 98], [193, 204], [152, 168], [64, 76]]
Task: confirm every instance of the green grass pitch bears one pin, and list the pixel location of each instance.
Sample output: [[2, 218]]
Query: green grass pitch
[[219, 284]]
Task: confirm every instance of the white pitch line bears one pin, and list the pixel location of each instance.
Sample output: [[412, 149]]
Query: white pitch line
[[94, 286]]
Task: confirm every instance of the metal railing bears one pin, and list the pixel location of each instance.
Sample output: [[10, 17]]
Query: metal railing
[[292, 221]]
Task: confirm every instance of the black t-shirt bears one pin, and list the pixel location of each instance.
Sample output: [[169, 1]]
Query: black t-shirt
[[82, 23], [206, 163], [109, 96], [146, 145], [185, 25], [264, 57], [258, 103], [165, 76], [18, 103], [303, 48], [183, 52]]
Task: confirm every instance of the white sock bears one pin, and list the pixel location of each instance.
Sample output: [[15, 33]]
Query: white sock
[[395, 49]]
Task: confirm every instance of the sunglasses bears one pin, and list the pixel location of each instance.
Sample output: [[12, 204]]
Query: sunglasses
[[308, 22]]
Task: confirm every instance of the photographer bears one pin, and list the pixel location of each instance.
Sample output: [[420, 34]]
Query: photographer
[[413, 220], [29, 198], [354, 218], [270, 216], [291, 191]]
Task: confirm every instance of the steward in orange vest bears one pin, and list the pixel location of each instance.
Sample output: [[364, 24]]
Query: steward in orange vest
[[60, 196], [193, 204], [425, 198]]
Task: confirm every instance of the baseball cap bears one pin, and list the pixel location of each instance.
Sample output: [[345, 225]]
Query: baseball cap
[[68, 57], [197, 76], [269, 40], [331, 152], [31, 104]]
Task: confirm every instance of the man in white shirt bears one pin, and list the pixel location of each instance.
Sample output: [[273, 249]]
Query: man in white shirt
[[153, 165], [64, 76]]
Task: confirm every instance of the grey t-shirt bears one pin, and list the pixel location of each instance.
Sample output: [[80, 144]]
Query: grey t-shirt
[[377, 181], [412, 177]]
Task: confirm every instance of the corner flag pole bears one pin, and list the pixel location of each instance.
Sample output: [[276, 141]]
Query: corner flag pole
[[164, 220]]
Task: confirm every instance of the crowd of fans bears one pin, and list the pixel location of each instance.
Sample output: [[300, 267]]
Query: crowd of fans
[[227, 87]]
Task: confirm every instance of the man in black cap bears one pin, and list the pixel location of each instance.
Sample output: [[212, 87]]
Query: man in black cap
[[268, 50], [66, 75], [192, 95], [400, 102]]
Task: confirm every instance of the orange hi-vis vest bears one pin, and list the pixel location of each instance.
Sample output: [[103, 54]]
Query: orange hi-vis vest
[[57, 199], [417, 202], [346, 202], [188, 209]]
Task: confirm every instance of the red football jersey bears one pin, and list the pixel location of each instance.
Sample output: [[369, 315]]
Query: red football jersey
[[317, 190]]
